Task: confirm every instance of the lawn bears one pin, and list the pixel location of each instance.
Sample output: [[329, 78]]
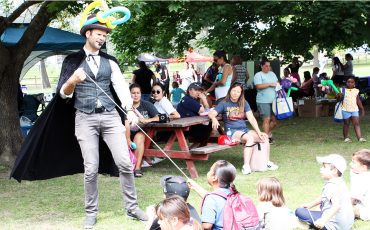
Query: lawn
[[58, 203]]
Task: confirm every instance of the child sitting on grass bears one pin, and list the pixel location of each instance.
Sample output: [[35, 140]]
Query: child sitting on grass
[[335, 204], [174, 214], [272, 212], [172, 186], [220, 177], [360, 184]]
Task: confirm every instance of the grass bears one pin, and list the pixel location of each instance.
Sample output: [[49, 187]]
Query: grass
[[59, 203]]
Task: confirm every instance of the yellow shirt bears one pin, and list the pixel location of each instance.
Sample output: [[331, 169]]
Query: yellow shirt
[[350, 100]]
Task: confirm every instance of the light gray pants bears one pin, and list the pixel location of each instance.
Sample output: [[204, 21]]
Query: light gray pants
[[88, 128]]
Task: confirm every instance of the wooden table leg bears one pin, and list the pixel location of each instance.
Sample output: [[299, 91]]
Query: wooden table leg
[[150, 133], [191, 168], [184, 146]]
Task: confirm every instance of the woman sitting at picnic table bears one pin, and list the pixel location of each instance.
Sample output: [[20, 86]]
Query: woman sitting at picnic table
[[162, 104], [234, 110], [147, 113], [193, 104]]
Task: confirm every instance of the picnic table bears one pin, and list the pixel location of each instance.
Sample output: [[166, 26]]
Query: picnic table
[[177, 128]]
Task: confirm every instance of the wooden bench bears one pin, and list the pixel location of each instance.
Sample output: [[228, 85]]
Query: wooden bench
[[211, 148], [177, 128]]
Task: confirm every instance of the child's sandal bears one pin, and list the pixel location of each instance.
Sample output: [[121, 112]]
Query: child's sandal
[[138, 173]]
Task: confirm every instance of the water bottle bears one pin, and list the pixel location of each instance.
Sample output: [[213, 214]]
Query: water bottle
[[228, 133]]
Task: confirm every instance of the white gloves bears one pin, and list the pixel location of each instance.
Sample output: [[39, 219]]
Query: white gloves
[[131, 117]]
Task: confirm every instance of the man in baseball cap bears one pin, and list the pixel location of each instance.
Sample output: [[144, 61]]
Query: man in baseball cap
[[175, 185]]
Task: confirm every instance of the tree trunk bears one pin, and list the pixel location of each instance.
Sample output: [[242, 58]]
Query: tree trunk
[[316, 62], [44, 75], [10, 135]]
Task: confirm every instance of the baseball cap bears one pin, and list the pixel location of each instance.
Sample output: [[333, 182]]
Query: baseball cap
[[195, 85], [336, 160], [174, 185]]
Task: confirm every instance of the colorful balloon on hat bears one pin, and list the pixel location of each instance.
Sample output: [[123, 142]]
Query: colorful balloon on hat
[[105, 16]]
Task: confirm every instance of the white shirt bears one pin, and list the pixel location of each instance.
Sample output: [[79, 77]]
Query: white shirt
[[276, 218], [119, 84], [164, 106], [360, 190]]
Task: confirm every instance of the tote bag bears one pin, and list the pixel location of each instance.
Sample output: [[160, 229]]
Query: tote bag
[[338, 115], [282, 106]]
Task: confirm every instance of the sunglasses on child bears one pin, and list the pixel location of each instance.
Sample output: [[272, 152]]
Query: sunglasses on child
[[156, 92]]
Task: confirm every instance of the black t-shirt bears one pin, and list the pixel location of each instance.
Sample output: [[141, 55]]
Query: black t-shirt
[[193, 214], [143, 78], [147, 109]]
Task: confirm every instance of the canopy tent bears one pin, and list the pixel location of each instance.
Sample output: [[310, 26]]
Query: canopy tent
[[149, 58], [53, 42], [196, 57]]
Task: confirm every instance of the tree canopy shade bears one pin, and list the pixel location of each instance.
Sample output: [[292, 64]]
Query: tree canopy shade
[[250, 28], [53, 41], [12, 59]]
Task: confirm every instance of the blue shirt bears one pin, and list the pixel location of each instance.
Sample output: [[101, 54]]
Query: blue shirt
[[176, 94], [188, 107], [231, 116], [213, 209], [266, 95]]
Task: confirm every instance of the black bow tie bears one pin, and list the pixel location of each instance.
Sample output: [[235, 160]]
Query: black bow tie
[[92, 56]]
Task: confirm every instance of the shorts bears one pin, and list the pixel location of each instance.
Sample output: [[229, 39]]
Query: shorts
[[265, 110], [347, 115], [244, 130]]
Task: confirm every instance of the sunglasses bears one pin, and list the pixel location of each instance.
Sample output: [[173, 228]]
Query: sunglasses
[[156, 92]]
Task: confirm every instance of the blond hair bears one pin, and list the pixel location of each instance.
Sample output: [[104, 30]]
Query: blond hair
[[175, 206], [269, 189]]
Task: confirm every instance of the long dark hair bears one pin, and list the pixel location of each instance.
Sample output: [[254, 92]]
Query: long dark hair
[[162, 87], [336, 61], [241, 100], [225, 173], [220, 54]]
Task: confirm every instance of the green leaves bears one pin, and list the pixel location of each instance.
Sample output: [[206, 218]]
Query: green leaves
[[249, 28]]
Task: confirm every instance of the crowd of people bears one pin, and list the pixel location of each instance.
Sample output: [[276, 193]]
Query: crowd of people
[[338, 205], [224, 87], [90, 79]]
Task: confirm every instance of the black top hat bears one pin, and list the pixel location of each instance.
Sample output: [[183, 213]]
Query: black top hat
[[96, 25]]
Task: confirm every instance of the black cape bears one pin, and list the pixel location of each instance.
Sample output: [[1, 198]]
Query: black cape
[[51, 148]]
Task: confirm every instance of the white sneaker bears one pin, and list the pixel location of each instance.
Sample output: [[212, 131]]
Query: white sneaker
[[145, 164], [246, 170], [347, 140], [156, 160], [271, 166]]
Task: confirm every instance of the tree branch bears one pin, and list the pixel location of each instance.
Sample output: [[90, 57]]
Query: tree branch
[[32, 34], [5, 22]]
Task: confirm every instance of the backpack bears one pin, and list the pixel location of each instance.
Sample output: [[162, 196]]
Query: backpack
[[239, 212]]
